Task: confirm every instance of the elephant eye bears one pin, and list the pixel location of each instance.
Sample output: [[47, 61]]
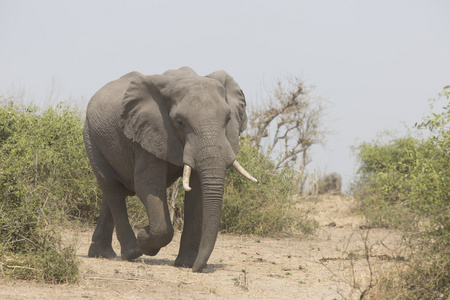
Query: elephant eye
[[179, 122]]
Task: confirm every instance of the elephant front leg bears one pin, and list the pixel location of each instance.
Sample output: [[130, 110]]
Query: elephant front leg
[[192, 230], [150, 185]]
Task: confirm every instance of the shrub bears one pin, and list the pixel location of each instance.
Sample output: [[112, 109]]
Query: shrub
[[426, 277], [264, 208], [43, 160], [32, 251], [407, 181], [411, 174], [44, 178], [384, 181]]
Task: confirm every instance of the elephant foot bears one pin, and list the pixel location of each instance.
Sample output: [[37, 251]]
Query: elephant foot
[[150, 243], [96, 250], [131, 254], [185, 261], [151, 252]]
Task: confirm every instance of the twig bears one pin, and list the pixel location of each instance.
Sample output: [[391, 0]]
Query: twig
[[173, 198], [19, 267], [112, 278]]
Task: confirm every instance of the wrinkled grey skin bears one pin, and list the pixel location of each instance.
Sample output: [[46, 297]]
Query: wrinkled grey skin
[[332, 183], [139, 132]]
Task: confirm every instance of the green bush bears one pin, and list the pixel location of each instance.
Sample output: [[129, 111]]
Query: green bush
[[43, 160], [409, 173], [32, 251], [405, 183], [264, 208], [385, 181], [45, 177]]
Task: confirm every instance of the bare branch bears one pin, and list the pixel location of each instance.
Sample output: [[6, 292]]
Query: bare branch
[[288, 123]]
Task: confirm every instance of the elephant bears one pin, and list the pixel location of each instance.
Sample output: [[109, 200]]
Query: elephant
[[332, 183], [143, 132]]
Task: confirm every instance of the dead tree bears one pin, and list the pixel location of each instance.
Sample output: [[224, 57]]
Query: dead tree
[[288, 123]]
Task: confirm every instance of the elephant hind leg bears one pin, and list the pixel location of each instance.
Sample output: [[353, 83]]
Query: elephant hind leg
[[114, 214], [115, 196], [102, 237]]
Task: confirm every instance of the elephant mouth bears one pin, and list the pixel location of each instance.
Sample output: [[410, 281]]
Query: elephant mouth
[[236, 165]]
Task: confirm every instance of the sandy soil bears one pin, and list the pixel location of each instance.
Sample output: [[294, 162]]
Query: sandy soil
[[329, 265]]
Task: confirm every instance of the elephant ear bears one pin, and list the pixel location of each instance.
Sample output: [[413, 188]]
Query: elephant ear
[[144, 117], [236, 100]]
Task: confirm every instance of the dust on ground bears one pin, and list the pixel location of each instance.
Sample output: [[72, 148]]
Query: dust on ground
[[332, 264]]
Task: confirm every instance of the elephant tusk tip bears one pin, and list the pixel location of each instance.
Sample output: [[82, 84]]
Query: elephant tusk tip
[[243, 172], [186, 187], [253, 179]]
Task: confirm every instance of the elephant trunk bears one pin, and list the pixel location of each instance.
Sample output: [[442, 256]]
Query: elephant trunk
[[212, 179], [209, 153]]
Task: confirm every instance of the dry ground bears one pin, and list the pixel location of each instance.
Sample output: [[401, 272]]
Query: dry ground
[[329, 265]]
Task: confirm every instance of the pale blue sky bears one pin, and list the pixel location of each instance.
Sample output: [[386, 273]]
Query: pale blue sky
[[376, 62]]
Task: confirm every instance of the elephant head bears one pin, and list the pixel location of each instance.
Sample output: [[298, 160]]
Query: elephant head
[[191, 121], [332, 183]]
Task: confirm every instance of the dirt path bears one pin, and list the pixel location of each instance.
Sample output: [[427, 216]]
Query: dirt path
[[329, 265]]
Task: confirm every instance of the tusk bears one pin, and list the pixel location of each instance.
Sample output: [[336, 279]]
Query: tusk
[[242, 171], [186, 177]]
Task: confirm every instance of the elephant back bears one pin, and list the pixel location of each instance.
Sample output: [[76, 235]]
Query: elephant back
[[181, 72], [103, 112]]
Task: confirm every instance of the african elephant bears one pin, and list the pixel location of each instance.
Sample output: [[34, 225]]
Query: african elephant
[[141, 133], [332, 183]]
